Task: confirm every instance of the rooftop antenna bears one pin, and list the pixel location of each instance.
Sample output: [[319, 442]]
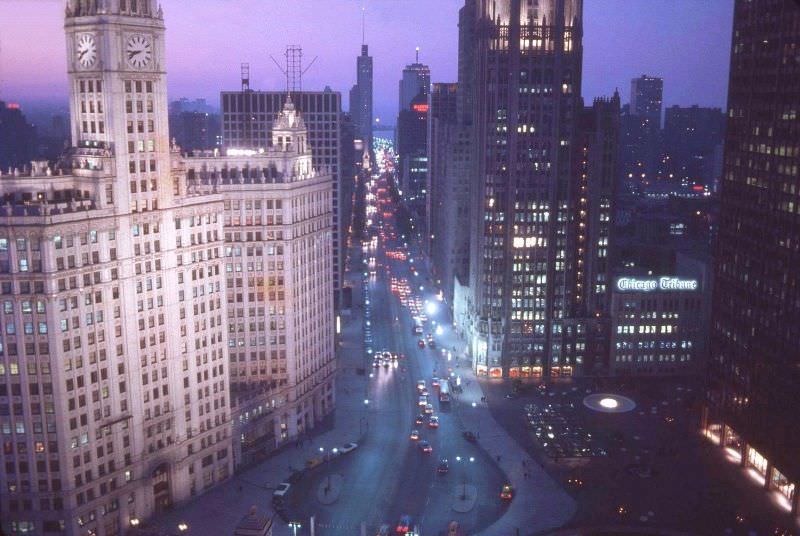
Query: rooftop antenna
[[293, 71], [245, 77], [363, 28], [247, 126], [417, 59]]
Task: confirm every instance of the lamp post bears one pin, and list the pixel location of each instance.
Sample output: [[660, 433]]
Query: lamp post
[[294, 525], [182, 527]]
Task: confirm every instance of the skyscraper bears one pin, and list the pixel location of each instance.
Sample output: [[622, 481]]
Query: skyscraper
[[114, 341], [692, 136], [416, 79], [526, 98], [646, 99], [754, 373], [447, 200], [412, 135], [361, 97], [17, 137]]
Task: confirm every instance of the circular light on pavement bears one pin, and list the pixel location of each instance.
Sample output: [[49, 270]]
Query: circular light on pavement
[[609, 403]]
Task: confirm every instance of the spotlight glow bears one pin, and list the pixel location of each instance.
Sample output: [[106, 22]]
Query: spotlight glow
[[609, 403]]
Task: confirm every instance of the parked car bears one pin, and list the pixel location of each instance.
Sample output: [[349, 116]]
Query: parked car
[[348, 447], [507, 492], [280, 493]]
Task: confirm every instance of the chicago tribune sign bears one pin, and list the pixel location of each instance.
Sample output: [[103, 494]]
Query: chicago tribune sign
[[632, 284]]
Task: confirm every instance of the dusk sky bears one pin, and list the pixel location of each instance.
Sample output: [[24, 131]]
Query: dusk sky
[[687, 42]]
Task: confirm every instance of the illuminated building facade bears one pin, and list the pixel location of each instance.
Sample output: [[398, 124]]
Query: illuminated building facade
[[113, 361], [278, 225], [525, 109], [754, 373], [247, 118]]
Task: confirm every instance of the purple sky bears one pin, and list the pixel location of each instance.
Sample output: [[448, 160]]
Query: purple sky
[[687, 42]]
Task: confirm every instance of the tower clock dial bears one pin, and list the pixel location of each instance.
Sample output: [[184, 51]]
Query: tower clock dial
[[86, 50], [138, 51]]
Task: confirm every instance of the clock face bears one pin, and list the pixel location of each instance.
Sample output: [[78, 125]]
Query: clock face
[[139, 51], [86, 50]]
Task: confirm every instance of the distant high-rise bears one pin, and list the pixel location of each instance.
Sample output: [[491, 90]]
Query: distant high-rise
[[754, 372], [196, 130], [17, 137], [641, 131], [416, 79], [646, 99], [361, 97], [412, 145], [691, 138]]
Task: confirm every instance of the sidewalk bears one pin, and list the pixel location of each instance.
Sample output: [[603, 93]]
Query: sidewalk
[[219, 510]]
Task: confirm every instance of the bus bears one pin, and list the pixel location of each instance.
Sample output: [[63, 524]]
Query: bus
[[444, 391]]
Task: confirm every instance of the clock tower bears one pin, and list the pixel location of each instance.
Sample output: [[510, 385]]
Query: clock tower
[[118, 95]]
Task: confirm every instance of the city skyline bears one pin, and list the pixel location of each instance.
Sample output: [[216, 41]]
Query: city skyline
[[630, 34]]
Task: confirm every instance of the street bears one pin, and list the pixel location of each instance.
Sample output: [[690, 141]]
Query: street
[[388, 476]]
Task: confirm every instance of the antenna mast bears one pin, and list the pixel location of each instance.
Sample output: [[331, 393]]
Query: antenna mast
[[293, 70]]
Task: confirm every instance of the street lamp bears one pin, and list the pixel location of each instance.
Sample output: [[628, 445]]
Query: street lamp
[[182, 527], [135, 522], [294, 525]]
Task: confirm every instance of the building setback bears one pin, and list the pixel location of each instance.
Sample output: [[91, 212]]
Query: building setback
[[247, 118], [754, 371]]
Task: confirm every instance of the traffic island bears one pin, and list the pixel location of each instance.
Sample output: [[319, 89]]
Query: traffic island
[[330, 488], [464, 498]]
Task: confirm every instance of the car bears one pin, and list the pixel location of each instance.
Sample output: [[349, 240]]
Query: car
[[404, 525], [424, 392], [417, 330], [443, 466], [387, 356], [429, 409], [376, 363], [420, 419], [435, 382], [386, 364], [280, 493], [414, 435], [425, 446], [433, 422], [421, 343], [507, 492], [420, 385], [423, 400], [348, 447], [469, 436]]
